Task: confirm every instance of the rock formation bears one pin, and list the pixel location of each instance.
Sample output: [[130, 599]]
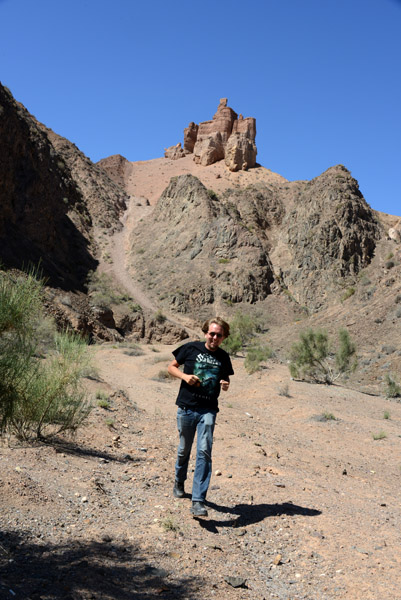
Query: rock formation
[[226, 137], [174, 152], [52, 196], [394, 233], [304, 238]]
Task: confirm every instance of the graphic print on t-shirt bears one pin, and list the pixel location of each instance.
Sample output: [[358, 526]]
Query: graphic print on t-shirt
[[207, 368]]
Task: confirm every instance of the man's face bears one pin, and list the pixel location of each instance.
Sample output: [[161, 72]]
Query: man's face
[[214, 336]]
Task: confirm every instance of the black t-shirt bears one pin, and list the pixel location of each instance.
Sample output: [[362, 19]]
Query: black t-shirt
[[210, 367]]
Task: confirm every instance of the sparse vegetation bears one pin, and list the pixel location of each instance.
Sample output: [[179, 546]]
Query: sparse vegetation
[[212, 195], [379, 436], [284, 390], [40, 394], [168, 524], [393, 388], [255, 356], [163, 375], [102, 292], [242, 329], [328, 416], [131, 349], [224, 261], [159, 317], [103, 404], [386, 415], [350, 292], [311, 358]]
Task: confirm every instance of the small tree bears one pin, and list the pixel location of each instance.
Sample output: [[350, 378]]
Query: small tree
[[242, 329], [311, 358], [38, 396]]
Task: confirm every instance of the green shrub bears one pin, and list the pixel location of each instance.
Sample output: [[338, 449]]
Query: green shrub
[[103, 404], [103, 292], [350, 292], [312, 359], [159, 317], [233, 343], [38, 397], [393, 389], [212, 194], [379, 436], [243, 329], [327, 416], [255, 356]]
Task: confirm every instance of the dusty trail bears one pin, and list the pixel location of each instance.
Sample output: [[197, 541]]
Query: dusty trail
[[304, 508], [119, 251]]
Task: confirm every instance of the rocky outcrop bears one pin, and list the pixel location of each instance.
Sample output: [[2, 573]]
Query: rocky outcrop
[[394, 233], [117, 167], [174, 152], [190, 135], [330, 234], [196, 251], [225, 137], [306, 239], [43, 219], [105, 199], [52, 195]]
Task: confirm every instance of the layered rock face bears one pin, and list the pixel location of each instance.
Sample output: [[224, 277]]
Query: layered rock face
[[226, 137], [307, 239], [51, 197], [195, 251]]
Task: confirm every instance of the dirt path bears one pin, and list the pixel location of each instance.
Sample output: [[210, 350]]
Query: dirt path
[[306, 507], [119, 251]]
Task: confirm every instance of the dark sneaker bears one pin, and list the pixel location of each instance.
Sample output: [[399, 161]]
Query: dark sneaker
[[198, 509], [178, 489]]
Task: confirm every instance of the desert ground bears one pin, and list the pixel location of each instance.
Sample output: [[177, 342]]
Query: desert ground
[[303, 503]]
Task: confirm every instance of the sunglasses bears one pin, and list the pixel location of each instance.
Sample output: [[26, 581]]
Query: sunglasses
[[213, 334]]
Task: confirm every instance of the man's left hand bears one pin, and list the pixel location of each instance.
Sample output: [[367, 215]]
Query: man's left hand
[[224, 385]]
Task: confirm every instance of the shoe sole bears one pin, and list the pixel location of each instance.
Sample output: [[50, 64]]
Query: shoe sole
[[197, 515]]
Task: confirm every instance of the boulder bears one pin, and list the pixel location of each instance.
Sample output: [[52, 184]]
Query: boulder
[[174, 152]]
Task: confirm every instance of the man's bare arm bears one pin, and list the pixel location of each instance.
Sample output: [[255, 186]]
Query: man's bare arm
[[174, 370]]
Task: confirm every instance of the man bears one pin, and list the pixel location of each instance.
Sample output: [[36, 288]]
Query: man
[[207, 369]]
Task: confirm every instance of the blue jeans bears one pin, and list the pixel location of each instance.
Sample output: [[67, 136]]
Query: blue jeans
[[189, 422]]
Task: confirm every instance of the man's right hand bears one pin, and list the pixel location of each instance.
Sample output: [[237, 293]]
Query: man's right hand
[[192, 380]]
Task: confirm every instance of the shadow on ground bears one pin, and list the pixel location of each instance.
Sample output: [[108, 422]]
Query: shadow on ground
[[77, 570], [247, 514], [74, 449]]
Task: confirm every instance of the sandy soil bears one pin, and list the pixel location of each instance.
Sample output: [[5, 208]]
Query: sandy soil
[[305, 507]]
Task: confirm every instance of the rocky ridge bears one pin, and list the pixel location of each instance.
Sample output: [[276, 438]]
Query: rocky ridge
[[254, 241]]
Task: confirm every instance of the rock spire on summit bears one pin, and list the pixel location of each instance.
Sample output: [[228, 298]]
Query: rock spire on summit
[[225, 137]]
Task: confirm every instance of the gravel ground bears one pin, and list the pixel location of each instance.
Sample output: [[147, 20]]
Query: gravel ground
[[301, 506]]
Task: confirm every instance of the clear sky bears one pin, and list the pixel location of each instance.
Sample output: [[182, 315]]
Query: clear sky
[[321, 77]]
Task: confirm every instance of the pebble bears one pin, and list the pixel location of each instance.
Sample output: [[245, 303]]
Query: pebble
[[235, 582], [217, 473]]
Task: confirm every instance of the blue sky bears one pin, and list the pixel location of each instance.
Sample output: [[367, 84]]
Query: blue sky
[[322, 78]]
